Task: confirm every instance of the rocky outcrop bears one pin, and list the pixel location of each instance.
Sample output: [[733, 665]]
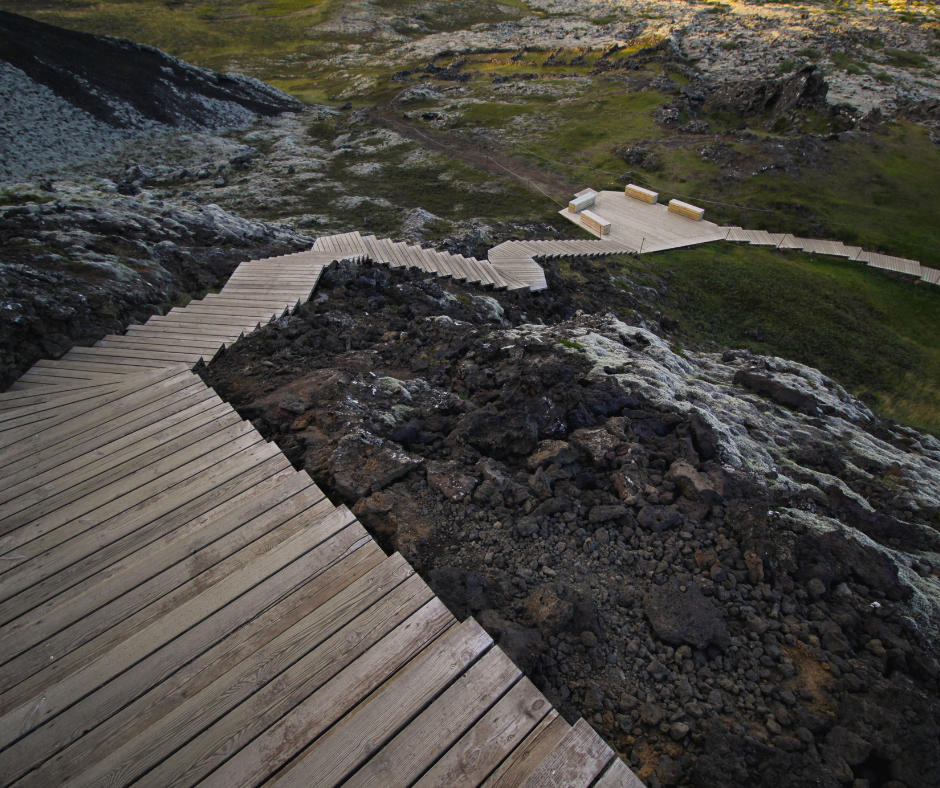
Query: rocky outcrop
[[79, 262], [74, 94], [805, 89]]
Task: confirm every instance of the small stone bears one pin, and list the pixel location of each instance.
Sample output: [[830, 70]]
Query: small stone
[[816, 588], [588, 639], [652, 714], [679, 731]]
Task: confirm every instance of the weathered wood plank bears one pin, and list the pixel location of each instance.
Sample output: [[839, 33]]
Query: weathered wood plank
[[53, 528], [531, 751], [618, 775], [250, 663], [90, 695], [95, 476], [575, 762], [228, 488], [477, 754], [434, 730], [262, 757], [353, 739], [76, 541], [165, 578], [365, 613], [66, 460]]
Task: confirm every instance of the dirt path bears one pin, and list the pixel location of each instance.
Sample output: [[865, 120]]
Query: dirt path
[[492, 159]]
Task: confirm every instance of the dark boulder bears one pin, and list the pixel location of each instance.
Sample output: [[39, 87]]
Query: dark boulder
[[680, 613]]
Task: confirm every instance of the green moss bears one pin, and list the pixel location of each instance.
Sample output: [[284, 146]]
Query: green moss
[[878, 336], [570, 344], [902, 59]]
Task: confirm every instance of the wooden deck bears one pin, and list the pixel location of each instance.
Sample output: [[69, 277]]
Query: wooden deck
[[642, 227], [180, 607], [638, 227]]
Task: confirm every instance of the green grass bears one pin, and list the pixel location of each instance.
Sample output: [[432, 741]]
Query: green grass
[[902, 59], [876, 335]]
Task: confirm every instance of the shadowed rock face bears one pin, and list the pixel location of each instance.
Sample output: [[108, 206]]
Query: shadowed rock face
[[806, 88], [124, 84]]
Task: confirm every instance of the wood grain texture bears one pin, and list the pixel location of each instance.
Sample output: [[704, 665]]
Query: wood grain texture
[[575, 762], [480, 751]]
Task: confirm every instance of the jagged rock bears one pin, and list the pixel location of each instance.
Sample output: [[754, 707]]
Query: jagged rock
[[806, 88], [767, 385], [601, 514], [496, 434], [449, 480], [464, 593], [694, 485], [362, 464], [549, 452], [522, 645], [659, 518], [681, 614], [594, 443]]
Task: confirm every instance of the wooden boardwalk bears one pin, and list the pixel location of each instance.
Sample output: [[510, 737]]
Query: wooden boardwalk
[[180, 607], [638, 227]]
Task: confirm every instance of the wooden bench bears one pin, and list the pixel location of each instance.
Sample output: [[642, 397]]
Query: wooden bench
[[684, 209], [582, 201], [594, 222], [639, 193]]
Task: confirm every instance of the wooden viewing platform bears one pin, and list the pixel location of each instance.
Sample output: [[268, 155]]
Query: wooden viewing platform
[[638, 225], [180, 607]]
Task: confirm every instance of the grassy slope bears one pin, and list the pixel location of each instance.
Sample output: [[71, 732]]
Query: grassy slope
[[876, 335]]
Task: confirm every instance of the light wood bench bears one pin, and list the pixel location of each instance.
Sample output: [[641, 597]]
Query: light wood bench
[[639, 193], [594, 222], [582, 201], [684, 209]]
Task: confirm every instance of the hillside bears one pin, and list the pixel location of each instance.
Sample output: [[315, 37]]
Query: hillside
[[693, 494]]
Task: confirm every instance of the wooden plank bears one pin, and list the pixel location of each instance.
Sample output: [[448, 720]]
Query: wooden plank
[[100, 448], [406, 757], [138, 392], [684, 209], [207, 350], [407, 644], [87, 364], [183, 320], [618, 775], [123, 493], [203, 671], [57, 549], [138, 580], [227, 488], [14, 404], [313, 653], [129, 361], [83, 639], [90, 695], [157, 331], [63, 440], [582, 201], [95, 475], [531, 751], [353, 739], [595, 223], [477, 754], [575, 762]]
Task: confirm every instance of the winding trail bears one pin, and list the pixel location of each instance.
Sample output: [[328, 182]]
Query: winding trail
[[180, 607]]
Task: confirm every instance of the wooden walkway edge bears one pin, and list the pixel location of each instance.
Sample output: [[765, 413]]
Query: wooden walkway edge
[[180, 607]]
